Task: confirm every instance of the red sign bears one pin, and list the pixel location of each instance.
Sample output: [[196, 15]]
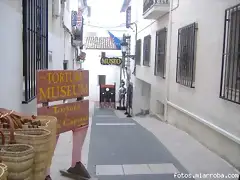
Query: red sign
[[79, 18], [54, 85], [70, 116]]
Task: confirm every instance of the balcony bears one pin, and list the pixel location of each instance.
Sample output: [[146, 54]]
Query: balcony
[[153, 9]]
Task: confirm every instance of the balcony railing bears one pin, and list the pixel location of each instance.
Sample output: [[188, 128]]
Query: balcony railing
[[148, 4]]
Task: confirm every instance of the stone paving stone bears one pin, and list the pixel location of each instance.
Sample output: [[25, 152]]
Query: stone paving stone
[[131, 169], [109, 170], [166, 168]]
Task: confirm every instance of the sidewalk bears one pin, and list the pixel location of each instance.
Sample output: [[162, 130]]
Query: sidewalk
[[191, 154], [122, 148]]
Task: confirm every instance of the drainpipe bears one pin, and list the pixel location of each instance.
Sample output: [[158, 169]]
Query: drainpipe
[[169, 57], [136, 32]]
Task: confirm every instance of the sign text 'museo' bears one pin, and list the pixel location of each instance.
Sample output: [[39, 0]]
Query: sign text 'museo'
[[111, 61], [53, 85]]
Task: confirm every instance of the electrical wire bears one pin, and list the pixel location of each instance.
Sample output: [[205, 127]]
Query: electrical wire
[[105, 27], [153, 22]]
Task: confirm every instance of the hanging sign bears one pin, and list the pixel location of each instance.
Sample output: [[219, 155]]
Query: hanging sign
[[111, 61], [79, 19], [74, 18], [128, 17]]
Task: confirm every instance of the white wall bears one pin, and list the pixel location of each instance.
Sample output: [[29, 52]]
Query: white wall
[[158, 84], [198, 111], [11, 63], [95, 68], [11, 55], [204, 100], [60, 40]]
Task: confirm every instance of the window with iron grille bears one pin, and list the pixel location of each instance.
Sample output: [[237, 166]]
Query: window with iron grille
[[186, 51], [35, 43], [160, 52], [138, 53], [146, 50], [230, 77]]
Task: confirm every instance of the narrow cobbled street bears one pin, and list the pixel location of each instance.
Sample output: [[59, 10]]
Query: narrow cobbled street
[[121, 149]]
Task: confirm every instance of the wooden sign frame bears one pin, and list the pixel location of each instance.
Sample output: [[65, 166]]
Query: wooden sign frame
[[55, 85]]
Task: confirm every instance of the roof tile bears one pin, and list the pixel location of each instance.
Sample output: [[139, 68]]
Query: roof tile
[[100, 43]]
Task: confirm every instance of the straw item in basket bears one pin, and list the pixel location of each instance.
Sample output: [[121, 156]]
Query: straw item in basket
[[5, 175], [39, 139], [49, 123], [18, 159], [2, 174], [11, 121]]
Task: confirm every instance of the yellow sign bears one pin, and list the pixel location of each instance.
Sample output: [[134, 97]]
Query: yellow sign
[[53, 85], [111, 61]]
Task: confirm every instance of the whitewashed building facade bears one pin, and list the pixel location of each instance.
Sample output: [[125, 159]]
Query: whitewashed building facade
[[22, 52], [96, 42], [188, 68]]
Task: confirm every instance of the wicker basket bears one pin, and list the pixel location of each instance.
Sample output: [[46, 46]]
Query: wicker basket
[[50, 123], [39, 139], [2, 174], [19, 160], [5, 175]]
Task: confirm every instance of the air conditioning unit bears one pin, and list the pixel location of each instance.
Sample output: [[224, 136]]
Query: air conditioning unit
[[56, 8]]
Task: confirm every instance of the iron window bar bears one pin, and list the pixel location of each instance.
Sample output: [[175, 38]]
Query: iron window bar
[[35, 44], [146, 50], [230, 70], [138, 52], [186, 50], [160, 52]]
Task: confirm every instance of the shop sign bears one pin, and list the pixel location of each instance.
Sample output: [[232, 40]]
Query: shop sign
[[70, 116], [111, 61], [54, 85], [128, 17], [74, 18]]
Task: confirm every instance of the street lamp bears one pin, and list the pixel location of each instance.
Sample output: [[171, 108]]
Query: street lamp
[[124, 46], [125, 53]]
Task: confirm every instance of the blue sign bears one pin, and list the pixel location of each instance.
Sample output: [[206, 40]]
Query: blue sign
[[74, 18], [128, 17]]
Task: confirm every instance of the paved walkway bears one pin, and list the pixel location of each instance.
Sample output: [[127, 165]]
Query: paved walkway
[[119, 148], [122, 149]]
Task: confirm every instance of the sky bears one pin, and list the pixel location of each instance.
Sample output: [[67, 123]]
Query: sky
[[104, 12]]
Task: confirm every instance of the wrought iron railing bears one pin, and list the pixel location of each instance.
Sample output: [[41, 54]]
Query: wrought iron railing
[[150, 3]]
